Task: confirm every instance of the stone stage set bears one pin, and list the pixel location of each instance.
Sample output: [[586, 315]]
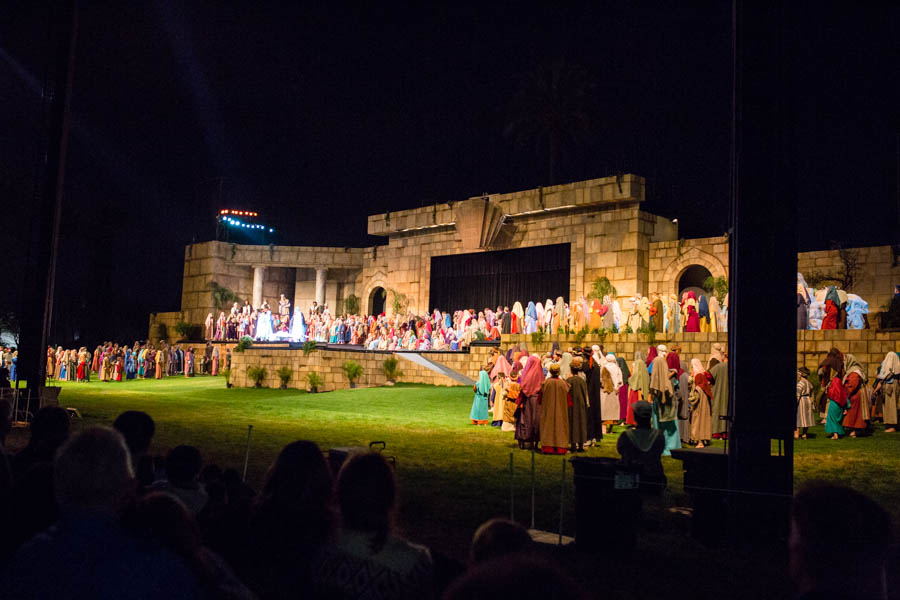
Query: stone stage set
[[593, 229]]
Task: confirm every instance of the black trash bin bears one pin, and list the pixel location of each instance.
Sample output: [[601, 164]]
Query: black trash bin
[[607, 504]]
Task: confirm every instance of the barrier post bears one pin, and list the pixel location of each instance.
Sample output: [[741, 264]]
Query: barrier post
[[247, 453]]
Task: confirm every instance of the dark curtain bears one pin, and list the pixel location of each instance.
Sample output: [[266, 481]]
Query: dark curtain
[[490, 279]]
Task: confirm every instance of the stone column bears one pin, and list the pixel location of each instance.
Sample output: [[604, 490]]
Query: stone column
[[297, 283], [321, 275], [259, 274]]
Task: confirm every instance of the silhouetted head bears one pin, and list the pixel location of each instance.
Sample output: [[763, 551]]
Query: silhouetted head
[[49, 429], [93, 471], [183, 465], [367, 491], [498, 537], [299, 477], [137, 427]]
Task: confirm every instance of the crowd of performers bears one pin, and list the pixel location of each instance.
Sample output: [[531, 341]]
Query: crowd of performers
[[566, 401], [829, 308], [845, 401], [112, 362], [457, 330]]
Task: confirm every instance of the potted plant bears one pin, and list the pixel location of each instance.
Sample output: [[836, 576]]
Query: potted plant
[[353, 370], [227, 373], [314, 380], [284, 374], [391, 370], [308, 346], [244, 343], [256, 375]]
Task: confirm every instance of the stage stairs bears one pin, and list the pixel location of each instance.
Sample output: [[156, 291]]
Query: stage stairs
[[437, 367]]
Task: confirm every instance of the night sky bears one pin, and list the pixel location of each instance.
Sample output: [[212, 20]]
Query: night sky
[[318, 117]]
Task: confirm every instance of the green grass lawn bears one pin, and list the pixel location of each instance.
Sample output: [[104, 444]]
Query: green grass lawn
[[453, 475]]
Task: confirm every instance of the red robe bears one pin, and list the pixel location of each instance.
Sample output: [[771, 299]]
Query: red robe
[[853, 387], [693, 320], [831, 316]]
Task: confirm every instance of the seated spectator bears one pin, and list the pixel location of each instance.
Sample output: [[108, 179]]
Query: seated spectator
[[87, 554], [643, 446], [137, 427], [49, 429], [287, 525], [519, 577], [838, 543], [369, 560], [496, 538], [163, 519], [183, 466]]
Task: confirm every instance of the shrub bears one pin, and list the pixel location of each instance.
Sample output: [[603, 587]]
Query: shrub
[[256, 375], [308, 346], [537, 337], [601, 287], [284, 374], [183, 329], [244, 343], [650, 332], [581, 334], [313, 380], [391, 370], [351, 304], [353, 370], [717, 286], [628, 329], [162, 332]]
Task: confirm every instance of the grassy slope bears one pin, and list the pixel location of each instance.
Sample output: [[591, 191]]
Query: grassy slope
[[453, 475]]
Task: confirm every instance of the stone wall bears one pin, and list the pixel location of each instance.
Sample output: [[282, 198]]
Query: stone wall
[[169, 319], [876, 280], [669, 259], [327, 363]]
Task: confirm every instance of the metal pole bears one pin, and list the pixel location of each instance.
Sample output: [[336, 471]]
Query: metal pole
[[512, 496], [562, 497], [532, 486], [247, 453]]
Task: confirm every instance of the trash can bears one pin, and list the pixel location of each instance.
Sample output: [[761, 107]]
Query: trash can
[[607, 505]]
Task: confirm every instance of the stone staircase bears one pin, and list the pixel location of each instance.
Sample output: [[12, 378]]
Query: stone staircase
[[423, 361]]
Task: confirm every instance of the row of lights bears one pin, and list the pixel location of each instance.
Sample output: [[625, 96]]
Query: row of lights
[[243, 213], [237, 223]]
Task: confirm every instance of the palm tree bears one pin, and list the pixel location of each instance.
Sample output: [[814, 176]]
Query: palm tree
[[555, 104]]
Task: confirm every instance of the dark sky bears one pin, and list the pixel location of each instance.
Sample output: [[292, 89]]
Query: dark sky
[[318, 117]]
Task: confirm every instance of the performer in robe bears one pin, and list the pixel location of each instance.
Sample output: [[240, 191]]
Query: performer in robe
[[657, 313], [528, 419], [518, 318], [623, 389], [554, 420], [638, 387], [719, 405], [607, 313], [837, 406], [595, 320], [479, 414], [854, 380], [531, 318], [831, 366], [889, 385], [209, 327], [665, 412], [805, 416], [189, 362], [611, 381], [130, 369], [701, 411], [578, 406], [559, 315]]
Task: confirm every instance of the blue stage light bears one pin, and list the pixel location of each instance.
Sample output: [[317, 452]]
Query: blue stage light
[[271, 231]]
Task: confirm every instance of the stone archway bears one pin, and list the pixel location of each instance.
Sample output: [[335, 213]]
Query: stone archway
[[375, 286], [694, 257]]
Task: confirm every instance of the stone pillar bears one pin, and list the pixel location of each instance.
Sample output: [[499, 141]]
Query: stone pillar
[[297, 283], [321, 275], [259, 274]]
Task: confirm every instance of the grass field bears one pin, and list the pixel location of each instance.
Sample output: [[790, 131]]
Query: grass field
[[453, 475]]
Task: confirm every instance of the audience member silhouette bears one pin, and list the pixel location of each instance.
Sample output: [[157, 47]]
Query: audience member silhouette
[[838, 544], [138, 428], [369, 560], [520, 577], [88, 554], [183, 465], [497, 538], [49, 429]]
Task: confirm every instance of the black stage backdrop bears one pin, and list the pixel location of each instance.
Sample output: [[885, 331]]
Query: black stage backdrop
[[489, 279]]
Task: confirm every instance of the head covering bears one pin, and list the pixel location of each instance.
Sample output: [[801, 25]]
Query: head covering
[[501, 366], [651, 354], [640, 378], [890, 366], [842, 296], [696, 366], [623, 366], [565, 369], [803, 371], [532, 376], [659, 376], [832, 294], [853, 365], [614, 371], [554, 369], [661, 350], [674, 363], [531, 311], [717, 353]]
